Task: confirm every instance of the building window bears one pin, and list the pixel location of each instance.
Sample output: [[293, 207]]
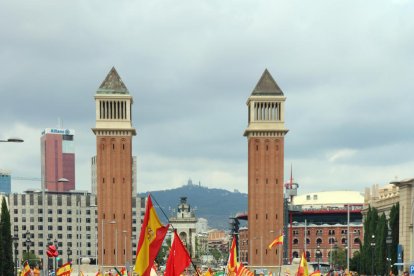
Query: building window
[[295, 241]]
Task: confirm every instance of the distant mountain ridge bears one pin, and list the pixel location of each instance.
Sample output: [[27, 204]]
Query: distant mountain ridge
[[215, 205]]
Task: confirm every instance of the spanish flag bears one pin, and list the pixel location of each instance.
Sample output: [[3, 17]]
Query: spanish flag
[[316, 273], [232, 263], [278, 240], [150, 240], [65, 269], [242, 271], [303, 266], [26, 269]]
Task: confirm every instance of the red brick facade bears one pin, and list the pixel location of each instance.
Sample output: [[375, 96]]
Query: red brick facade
[[114, 189], [265, 198], [328, 237]]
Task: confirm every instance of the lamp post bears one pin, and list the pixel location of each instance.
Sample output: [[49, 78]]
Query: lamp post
[[372, 253], [28, 242], [55, 242], [331, 253], [388, 241], [16, 244], [93, 219], [45, 209], [69, 254], [318, 254]]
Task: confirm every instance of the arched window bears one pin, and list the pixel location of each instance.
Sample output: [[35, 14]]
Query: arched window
[[295, 241]]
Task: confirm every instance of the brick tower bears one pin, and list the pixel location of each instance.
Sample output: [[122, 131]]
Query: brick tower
[[114, 133], [265, 135]]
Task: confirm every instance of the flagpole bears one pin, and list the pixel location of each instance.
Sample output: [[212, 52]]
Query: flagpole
[[280, 257], [168, 220]]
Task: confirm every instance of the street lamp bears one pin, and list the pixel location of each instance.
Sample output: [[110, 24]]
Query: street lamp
[[28, 242], [55, 242], [93, 219], [45, 209], [16, 244], [372, 254], [318, 254], [69, 254], [13, 140], [388, 241]]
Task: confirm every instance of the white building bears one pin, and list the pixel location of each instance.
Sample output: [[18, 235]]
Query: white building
[[185, 224], [71, 222]]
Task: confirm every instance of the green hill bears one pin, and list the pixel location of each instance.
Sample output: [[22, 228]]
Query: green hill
[[215, 205]]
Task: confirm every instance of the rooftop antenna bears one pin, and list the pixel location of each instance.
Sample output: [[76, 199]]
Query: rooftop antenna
[[59, 122]]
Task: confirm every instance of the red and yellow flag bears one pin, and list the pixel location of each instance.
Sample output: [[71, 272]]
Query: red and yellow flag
[[150, 240], [26, 269], [65, 269], [316, 273], [303, 266], [243, 271], [278, 240], [232, 263]]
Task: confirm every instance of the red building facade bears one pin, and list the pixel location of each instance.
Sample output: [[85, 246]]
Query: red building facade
[[58, 159]]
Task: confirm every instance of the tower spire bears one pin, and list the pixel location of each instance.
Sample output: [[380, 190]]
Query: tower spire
[[112, 84]]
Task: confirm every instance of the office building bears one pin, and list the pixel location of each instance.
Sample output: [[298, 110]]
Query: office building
[[58, 159], [72, 225], [5, 182]]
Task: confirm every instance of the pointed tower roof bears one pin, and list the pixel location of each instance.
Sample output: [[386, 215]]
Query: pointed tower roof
[[112, 84], [267, 86]]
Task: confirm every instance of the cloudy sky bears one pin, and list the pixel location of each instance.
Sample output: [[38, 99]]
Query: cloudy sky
[[346, 68]]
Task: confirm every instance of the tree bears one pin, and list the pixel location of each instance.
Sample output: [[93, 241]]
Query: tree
[[163, 253], [381, 246], [6, 240], [216, 254], [367, 251], [339, 257], [394, 224], [31, 258], [355, 261]]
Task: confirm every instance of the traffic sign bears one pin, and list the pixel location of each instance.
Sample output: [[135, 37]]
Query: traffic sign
[[411, 269]]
